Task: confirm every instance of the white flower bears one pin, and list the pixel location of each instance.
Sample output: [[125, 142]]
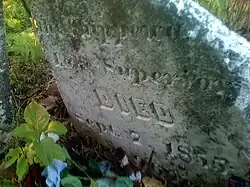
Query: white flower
[[52, 135]]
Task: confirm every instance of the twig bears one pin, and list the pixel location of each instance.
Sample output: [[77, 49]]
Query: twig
[[78, 167], [148, 164]]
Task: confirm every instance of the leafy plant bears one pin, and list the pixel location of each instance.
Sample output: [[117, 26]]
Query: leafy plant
[[40, 147], [22, 42], [234, 13], [6, 183], [25, 46], [71, 181]]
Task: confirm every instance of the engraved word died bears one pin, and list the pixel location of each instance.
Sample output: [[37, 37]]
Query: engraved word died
[[135, 106]]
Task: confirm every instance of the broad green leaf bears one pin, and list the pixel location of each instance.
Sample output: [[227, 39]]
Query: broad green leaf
[[36, 117], [105, 182], [123, 182], [24, 131], [57, 127], [11, 157], [47, 150], [93, 183], [22, 168], [6, 183], [71, 181]]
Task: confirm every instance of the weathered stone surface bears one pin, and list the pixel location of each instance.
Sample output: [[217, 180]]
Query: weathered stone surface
[[6, 107], [162, 75]]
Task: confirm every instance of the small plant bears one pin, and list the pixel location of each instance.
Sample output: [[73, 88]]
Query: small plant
[[40, 136]]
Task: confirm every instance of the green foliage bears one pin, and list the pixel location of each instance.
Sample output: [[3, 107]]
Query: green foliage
[[36, 117], [22, 168], [71, 181], [11, 157], [123, 182], [47, 150], [6, 183], [24, 46], [57, 128], [37, 123], [109, 182], [93, 183], [25, 132], [234, 13], [22, 42], [28, 73]]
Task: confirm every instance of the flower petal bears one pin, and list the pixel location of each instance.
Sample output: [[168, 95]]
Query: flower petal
[[58, 165], [54, 136]]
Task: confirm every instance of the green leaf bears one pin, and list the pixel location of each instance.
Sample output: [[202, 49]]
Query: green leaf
[[6, 183], [222, 4], [123, 182], [93, 183], [11, 157], [66, 153], [71, 181], [37, 160], [24, 131], [57, 127], [22, 168], [47, 150], [13, 23], [105, 182], [36, 117]]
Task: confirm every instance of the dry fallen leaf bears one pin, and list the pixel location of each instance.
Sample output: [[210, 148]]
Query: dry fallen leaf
[[52, 90], [49, 102], [151, 182]]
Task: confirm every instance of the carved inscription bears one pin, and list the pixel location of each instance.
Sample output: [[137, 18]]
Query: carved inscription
[[168, 149], [163, 114], [141, 109], [184, 154], [108, 129], [139, 77], [122, 104], [135, 136], [104, 98], [188, 154], [122, 32]]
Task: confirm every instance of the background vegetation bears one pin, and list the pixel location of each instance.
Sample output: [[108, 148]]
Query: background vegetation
[[28, 74], [234, 13]]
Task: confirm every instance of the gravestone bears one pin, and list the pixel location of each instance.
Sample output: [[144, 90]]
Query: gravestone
[[153, 75]]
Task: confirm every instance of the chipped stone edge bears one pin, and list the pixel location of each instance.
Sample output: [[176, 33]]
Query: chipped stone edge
[[234, 49], [216, 35]]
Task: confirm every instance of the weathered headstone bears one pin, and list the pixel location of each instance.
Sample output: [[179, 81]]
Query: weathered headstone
[[153, 75]]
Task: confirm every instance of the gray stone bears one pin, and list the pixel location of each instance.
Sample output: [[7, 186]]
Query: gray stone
[[6, 107], [153, 75]]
